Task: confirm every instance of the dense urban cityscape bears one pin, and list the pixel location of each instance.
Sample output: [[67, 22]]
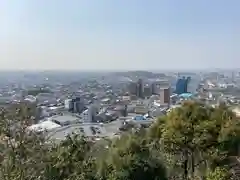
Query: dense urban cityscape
[[102, 106], [105, 101], [119, 90]]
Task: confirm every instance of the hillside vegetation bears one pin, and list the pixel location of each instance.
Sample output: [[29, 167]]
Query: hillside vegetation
[[191, 142]]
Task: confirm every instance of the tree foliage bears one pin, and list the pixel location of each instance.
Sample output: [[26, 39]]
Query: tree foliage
[[200, 137], [191, 141], [218, 174], [67, 158], [130, 157], [22, 151]]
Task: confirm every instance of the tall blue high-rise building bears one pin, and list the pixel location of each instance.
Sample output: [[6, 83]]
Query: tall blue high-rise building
[[182, 85]]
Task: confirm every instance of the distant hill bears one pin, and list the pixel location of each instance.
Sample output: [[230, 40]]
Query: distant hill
[[146, 74]]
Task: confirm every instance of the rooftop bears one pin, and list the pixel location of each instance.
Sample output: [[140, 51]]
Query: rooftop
[[88, 129], [65, 118], [45, 125], [186, 95]]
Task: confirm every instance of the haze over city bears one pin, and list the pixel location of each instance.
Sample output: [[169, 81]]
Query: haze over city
[[119, 35], [119, 90]]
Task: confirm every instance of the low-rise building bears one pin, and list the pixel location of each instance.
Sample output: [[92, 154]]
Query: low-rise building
[[66, 119], [44, 126]]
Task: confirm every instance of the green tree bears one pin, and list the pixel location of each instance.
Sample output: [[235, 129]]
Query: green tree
[[218, 174], [131, 158], [200, 136], [156, 129], [193, 140], [68, 159], [26, 155], [21, 150]]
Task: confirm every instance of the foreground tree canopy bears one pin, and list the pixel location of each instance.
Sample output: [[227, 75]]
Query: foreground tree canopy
[[191, 142]]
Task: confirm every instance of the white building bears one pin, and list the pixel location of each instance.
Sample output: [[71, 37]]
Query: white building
[[30, 98], [86, 116], [158, 84], [89, 114], [67, 103], [43, 126]]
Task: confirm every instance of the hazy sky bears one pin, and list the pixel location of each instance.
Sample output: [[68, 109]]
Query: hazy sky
[[119, 34]]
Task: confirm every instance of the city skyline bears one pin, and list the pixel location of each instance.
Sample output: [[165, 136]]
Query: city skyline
[[119, 35]]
